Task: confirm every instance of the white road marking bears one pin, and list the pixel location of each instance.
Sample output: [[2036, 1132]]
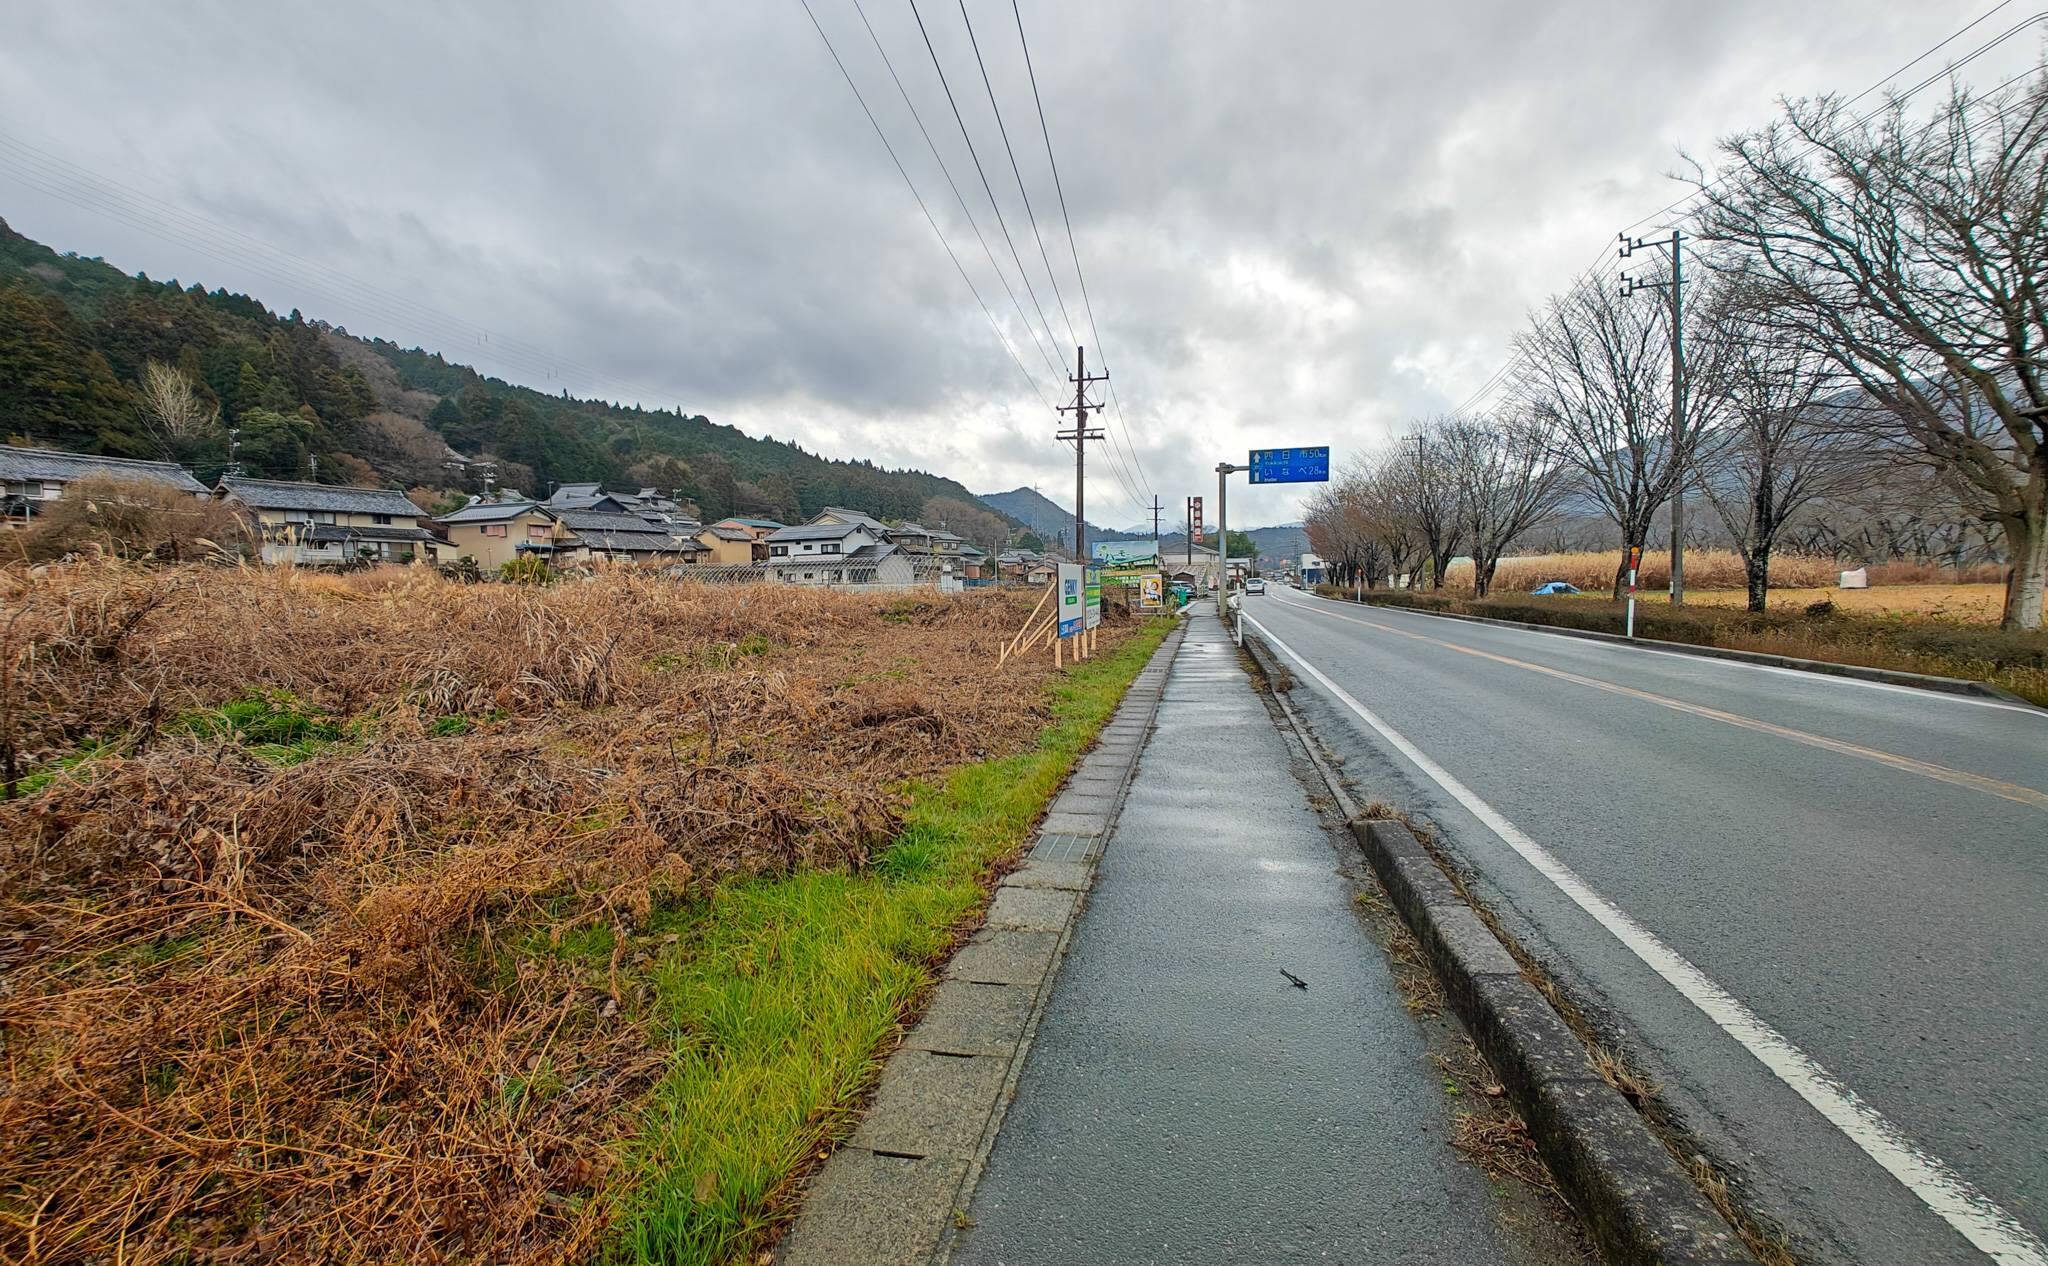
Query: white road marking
[[1991, 1229], [1975, 701]]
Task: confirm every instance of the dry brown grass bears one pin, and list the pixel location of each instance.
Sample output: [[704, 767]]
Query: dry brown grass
[[1973, 603], [1593, 571], [1708, 571], [264, 1011]]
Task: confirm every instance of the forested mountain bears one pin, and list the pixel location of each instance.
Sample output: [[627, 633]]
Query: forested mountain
[[303, 399]]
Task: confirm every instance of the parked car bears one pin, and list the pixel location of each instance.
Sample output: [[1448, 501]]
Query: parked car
[[1255, 585], [1554, 586]]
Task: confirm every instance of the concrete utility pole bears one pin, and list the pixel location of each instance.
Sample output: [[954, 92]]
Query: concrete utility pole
[[1223, 472], [1081, 434], [1629, 285], [1156, 508]]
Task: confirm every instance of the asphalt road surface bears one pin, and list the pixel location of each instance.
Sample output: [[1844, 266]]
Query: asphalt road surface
[[1183, 1102], [1813, 908]]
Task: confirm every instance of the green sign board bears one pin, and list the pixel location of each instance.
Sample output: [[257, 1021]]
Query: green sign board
[[1094, 596]]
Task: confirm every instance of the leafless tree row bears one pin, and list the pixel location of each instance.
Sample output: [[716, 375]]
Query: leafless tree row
[[1864, 374]]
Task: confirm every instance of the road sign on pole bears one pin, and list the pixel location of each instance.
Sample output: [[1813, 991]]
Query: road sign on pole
[[1290, 465]]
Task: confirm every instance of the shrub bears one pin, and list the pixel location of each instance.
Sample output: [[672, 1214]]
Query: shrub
[[133, 519], [529, 570]]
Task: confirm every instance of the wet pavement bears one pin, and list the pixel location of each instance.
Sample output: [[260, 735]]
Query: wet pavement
[[1183, 1101]]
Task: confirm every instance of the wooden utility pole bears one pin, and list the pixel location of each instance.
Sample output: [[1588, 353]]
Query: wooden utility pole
[[1081, 434]]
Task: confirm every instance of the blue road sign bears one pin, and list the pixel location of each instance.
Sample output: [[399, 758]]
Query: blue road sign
[[1290, 465]]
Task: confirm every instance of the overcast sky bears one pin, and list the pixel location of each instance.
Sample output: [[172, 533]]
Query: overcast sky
[[1301, 221]]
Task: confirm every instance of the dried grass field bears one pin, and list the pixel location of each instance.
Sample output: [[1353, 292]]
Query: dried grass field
[[382, 918], [1715, 577]]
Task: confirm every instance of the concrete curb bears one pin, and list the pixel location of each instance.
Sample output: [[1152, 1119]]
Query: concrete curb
[[1858, 672], [892, 1194], [1638, 1203]]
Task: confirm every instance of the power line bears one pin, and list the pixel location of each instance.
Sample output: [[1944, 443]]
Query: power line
[[975, 154], [1073, 248], [1022, 192], [883, 137], [1605, 255], [947, 172]]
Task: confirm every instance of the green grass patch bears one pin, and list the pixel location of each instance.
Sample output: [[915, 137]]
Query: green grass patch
[[778, 992], [271, 724]]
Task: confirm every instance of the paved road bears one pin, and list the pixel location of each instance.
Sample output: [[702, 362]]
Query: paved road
[[1183, 1103], [1770, 882]]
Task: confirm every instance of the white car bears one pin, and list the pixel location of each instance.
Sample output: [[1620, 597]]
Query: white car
[[1255, 585]]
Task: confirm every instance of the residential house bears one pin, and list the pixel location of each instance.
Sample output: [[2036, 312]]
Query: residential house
[[314, 524], [623, 536], [976, 567], [726, 546], [915, 538], [848, 550], [32, 476], [496, 532]]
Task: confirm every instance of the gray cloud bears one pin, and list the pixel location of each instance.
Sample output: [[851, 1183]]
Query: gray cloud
[[1302, 222]]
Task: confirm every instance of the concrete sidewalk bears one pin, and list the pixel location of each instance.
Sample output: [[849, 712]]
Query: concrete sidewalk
[[1182, 1101]]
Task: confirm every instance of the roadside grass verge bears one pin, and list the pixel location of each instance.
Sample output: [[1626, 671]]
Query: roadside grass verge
[[778, 994], [2010, 659]]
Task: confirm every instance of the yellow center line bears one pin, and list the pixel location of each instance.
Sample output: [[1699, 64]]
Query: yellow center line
[[1941, 773]]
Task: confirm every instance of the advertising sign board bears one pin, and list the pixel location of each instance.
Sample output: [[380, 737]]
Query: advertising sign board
[[1072, 601], [1195, 520], [1291, 465], [1094, 605], [1151, 593]]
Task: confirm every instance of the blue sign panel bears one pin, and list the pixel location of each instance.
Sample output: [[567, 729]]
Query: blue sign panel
[[1290, 465]]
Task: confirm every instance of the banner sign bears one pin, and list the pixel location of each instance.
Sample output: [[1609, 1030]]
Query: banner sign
[[1290, 465], [1152, 593], [1195, 520], [1094, 604], [1072, 608]]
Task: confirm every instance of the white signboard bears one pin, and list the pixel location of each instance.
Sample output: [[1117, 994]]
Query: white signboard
[[1072, 599]]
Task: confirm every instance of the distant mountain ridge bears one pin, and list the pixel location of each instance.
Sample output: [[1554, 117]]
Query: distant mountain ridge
[[1279, 543], [307, 400], [1045, 516]]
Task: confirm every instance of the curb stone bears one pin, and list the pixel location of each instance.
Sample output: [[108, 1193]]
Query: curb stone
[[892, 1194], [1640, 1206], [1821, 667]]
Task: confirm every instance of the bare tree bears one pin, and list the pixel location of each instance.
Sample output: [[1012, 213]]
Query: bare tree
[[1507, 481], [1596, 368], [1420, 485], [173, 413], [1780, 446], [1913, 253]]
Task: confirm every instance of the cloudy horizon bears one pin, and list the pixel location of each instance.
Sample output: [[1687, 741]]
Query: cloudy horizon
[[1302, 223]]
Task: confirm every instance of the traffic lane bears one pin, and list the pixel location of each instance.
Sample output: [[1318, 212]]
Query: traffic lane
[[1911, 890], [1986, 737]]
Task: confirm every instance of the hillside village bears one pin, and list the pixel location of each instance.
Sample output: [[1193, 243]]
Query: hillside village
[[511, 535]]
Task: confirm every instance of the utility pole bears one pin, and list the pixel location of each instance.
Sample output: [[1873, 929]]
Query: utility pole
[[1081, 434], [1629, 285], [1156, 508], [1223, 472]]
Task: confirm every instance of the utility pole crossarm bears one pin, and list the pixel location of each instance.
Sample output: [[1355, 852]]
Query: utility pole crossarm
[[1080, 434]]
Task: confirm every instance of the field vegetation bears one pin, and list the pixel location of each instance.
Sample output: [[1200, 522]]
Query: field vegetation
[[384, 918]]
